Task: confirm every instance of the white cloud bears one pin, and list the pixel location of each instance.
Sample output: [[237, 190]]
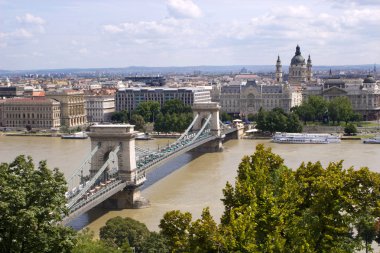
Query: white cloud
[[112, 29], [31, 19], [22, 33], [83, 51], [183, 9]]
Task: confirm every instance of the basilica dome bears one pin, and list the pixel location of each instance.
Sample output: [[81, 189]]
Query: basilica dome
[[369, 79], [297, 58]]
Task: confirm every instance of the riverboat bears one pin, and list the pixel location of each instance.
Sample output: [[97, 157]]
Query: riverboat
[[305, 138], [373, 140], [79, 135], [143, 137]]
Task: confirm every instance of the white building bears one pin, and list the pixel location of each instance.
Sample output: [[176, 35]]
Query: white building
[[99, 108]]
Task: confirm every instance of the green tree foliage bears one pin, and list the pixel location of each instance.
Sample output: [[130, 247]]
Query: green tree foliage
[[175, 106], [340, 109], [86, 243], [175, 228], [277, 120], [124, 232], [120, 117], [225, 117], [148, 110], [138, 121], [32, 202], [173, 119], [350, 129], [272, 208]]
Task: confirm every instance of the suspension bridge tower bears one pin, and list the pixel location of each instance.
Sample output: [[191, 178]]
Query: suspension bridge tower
[[201, 112], [109, 138]]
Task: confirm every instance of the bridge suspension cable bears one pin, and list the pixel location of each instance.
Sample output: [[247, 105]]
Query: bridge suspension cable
[[92, 181], [79, 171], [188, 129], [202, 129]]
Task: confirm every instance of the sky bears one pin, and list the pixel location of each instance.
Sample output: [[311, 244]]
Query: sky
[[49, 34]]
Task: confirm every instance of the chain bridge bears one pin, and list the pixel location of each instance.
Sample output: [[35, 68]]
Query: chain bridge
[[116, 168]]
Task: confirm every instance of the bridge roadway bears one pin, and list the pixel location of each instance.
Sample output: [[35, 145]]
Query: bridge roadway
[[117, 185]]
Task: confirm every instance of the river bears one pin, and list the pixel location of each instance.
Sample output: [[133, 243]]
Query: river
[[193, 181]]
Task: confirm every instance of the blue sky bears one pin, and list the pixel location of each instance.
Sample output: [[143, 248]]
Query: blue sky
[[44, 34]]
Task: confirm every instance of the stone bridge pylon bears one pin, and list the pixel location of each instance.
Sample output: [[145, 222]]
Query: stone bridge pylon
[[202, 111], [121, 137]]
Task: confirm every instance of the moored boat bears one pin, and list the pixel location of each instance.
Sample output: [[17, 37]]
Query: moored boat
[[79, 135], [143, 136], [373, 140], [305, 138]]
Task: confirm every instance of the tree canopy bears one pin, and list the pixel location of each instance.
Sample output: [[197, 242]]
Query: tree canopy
[[32, 203], [277, 120], [272, 208]]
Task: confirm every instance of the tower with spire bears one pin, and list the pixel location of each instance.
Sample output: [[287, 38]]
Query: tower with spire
[[278, 70], [309, 73]]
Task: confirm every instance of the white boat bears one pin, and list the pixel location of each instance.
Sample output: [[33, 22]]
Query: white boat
[[373, 140], [79, 135], [143, 136], [303, 138]]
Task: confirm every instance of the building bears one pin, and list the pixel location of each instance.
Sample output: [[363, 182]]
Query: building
[[99, 108], [11, 91], [32, 113], [247, 98], [299, 70], [363, 94], [129, 98], [73, 113]]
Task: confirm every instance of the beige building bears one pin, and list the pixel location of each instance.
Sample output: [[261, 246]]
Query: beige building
[[99, 108], [248, 98], [363, 94], [34, 113], [73, 113]]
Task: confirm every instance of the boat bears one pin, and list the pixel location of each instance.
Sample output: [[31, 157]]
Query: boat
[[373, 140], [305, 138], [78, 135], [143, 137]]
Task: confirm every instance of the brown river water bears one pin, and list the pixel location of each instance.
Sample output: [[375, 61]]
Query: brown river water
[[190, 182]]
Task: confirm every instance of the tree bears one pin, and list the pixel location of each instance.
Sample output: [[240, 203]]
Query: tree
[[119, 232], [155, 243], [318, 107], [175, 106], [175, 228], [340, 109], [32, 202], [350, 129], [293, 124], [86, 243], [138, 121], [259, 209], [225, 116], [148, 110], [120, 117]]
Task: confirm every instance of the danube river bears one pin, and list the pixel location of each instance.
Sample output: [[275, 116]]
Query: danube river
[[192, 181]]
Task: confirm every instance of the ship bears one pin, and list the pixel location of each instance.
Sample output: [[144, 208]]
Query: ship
[[305, 138]]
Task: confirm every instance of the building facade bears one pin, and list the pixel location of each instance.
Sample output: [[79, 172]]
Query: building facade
[[33, 113], [73, 113], [363, 94], [99, 108], [129, 98], [248, 98]]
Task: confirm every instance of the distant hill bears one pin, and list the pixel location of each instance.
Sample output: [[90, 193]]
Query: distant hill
[[141, 70]]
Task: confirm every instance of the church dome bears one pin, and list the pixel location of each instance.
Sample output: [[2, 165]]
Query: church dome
[[297, 58], [369, 79]]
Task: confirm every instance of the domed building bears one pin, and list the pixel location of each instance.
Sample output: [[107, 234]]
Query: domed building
[[299, 69]]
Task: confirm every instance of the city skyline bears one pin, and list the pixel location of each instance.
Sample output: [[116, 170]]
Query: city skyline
[[94, 34]]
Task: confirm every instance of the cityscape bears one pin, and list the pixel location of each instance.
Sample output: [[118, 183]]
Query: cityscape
[[189, 126]]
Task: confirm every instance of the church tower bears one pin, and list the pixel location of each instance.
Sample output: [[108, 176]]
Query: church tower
[[278, 70], [309, 73], [297, 68]]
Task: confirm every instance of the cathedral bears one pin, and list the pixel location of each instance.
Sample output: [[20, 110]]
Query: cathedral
[[299, 69]]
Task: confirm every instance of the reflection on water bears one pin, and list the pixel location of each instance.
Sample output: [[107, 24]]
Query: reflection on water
[[189, 182]]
